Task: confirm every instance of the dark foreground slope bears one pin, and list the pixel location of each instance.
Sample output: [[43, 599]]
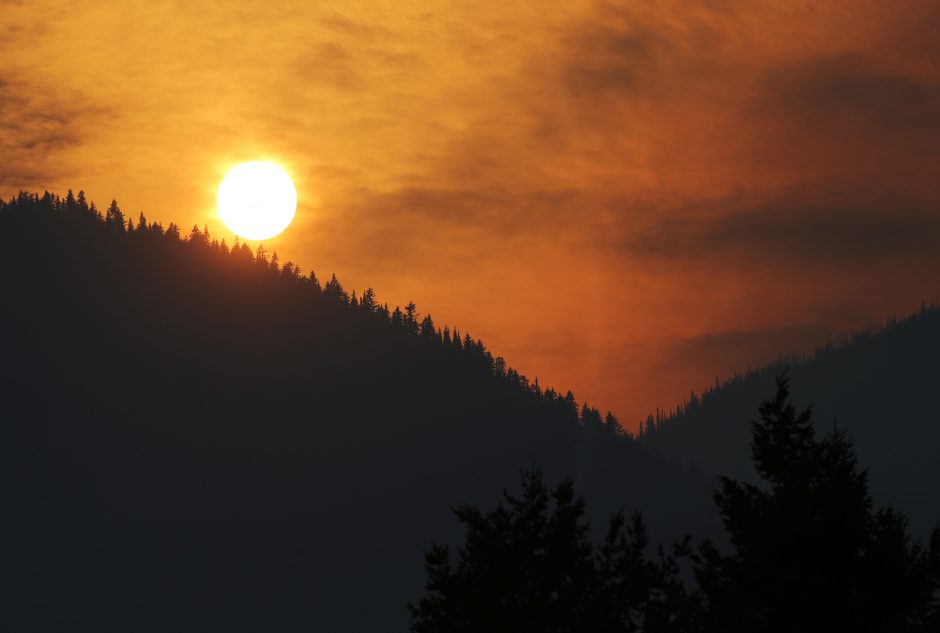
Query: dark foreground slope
[[192, 438], [880, 386]]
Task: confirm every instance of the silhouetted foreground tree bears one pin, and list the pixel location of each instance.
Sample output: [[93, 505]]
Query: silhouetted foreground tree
[[808, 552], [529, 565]]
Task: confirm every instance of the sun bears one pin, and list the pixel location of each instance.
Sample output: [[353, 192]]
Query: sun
[[257, 200]]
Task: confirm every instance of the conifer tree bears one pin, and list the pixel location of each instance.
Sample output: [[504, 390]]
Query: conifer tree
[[261, 256], [427, 326], [529, 565], [808, 550], [81, 203], [114, 217], [612, 424], [335, 290], [410, 318], [368, 302]]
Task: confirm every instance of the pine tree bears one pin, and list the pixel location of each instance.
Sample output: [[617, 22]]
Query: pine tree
[[612, 424], [808, 550], [529, 565], [367, 303], [410, 318], [114, 216], [261, 256], [335, 290], [525, 566], [81, 203], [427, 327]]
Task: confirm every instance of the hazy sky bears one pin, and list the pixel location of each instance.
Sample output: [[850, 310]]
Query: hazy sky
[[627, 199]]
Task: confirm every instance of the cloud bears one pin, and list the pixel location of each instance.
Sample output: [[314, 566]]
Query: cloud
[[328, 63], [748, 347], [823, 91], [35, 127], [799, 228], [847, 113], [604, 60]]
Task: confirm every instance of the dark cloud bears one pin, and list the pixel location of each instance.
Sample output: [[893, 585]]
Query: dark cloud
[[607, 60], [799, 228], [628, 50], [739, 349], [469, 221], [328, 63], [477, 223], [36, 126], [851, 94]]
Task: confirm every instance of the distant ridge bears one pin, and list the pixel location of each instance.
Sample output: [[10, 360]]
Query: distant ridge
[[880, 384]]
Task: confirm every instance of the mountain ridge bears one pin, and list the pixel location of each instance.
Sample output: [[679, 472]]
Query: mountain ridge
[[191, 434], [877, 384]]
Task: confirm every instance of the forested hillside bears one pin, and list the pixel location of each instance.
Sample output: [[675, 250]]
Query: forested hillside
[[193, 432], [880, 386]]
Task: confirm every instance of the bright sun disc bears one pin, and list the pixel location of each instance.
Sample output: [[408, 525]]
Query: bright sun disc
[[257, 200]]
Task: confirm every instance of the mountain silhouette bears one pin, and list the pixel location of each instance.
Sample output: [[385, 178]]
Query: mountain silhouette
[[195, 436], [878, 385]]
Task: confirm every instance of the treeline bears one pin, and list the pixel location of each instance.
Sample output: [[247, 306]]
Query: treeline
[[407, 320]]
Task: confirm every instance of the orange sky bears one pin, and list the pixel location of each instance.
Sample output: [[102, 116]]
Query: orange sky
[[627, 199]]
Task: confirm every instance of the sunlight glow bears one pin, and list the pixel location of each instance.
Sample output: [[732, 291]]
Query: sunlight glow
[[257, 200]]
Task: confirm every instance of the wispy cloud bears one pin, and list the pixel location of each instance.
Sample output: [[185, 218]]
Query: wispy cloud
[[35, 127]]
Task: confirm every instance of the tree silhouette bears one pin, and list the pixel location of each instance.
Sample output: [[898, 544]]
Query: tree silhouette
[[529, 565], [368, 302], [410, 317], [635, 593], [334, 289], [808, 550], [114, 216]]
